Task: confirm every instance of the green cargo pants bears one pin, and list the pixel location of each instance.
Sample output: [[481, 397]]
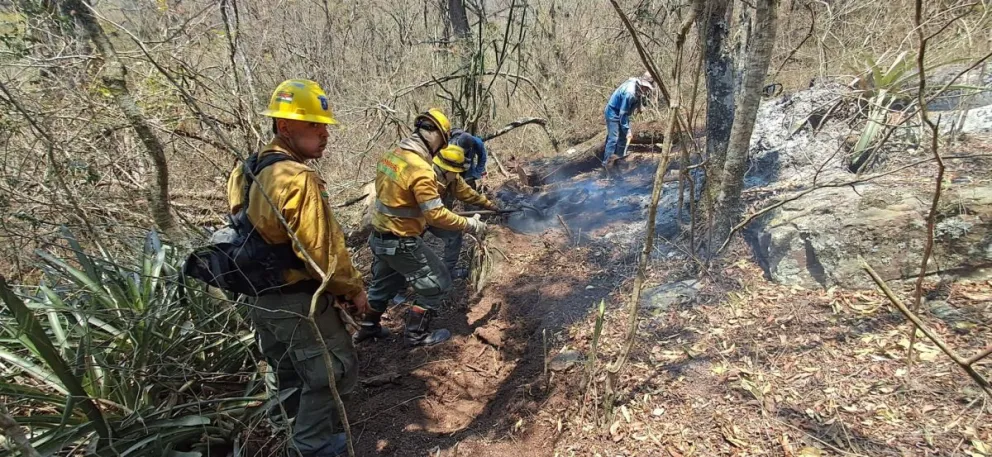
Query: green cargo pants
[[284, 334], [397, 261]]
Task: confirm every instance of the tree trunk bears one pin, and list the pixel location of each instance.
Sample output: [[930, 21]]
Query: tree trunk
[[458, 18], [115, 79], [728, 203], [719, 70]]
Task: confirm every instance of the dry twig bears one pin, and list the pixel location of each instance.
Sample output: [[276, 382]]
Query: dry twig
[[934, 149], [966, 364]]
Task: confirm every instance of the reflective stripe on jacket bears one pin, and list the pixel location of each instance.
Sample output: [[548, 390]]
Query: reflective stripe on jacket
[[408, 198]]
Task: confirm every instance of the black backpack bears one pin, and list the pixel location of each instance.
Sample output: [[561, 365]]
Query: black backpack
[[237, 259]]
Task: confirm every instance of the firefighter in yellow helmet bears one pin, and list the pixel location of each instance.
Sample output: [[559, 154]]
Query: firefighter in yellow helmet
[[450, 165], [300, 115], [408, 200]]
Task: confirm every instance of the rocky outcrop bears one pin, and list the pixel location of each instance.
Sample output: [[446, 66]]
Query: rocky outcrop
[[816, 241]]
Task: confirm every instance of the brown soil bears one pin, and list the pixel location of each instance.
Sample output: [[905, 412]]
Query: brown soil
[[478, 394]]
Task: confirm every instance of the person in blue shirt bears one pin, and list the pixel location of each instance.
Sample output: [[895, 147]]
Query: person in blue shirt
[[625, 100], [475, 156]]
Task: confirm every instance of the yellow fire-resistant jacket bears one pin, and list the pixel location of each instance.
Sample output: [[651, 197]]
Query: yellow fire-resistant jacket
[[462, 191], [407, 197], [299, 194]]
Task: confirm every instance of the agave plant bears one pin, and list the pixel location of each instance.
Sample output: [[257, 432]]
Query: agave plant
[[884, 91], [123, 359]]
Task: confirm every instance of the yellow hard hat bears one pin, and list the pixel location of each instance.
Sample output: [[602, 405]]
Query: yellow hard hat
[[451, 158], [435, 117], [300, 100]]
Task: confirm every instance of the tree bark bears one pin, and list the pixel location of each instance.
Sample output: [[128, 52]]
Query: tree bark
[[114, 77], [719, 70], [458, 18], [728, 202]]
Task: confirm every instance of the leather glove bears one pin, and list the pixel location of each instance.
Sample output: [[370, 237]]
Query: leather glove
[[475, 225], [492, 206]]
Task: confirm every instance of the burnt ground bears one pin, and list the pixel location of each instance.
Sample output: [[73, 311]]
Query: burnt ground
[[748, 368], [480, 392]]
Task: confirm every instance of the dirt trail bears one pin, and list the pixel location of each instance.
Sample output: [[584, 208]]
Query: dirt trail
[[479, 392]]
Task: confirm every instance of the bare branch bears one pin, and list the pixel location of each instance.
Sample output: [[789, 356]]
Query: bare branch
[[918, 324], [12, 430], [935, 150]]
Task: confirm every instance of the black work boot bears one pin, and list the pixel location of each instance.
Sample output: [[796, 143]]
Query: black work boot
[[370, 328], [418, 333]]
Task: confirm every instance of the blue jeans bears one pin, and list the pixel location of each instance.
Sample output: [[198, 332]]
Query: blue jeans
[[616, 140]]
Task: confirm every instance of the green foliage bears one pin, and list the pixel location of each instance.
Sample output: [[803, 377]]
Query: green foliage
[[886, 90], [116, 358]]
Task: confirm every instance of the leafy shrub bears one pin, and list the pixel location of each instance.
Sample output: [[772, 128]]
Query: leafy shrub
[[125, 360]]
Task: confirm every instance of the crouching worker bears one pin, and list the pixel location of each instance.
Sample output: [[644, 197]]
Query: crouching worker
[[476, 156], [294, 193], [408, 200], [449, 166]]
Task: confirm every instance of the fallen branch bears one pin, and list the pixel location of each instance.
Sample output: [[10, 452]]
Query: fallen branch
[[352, 201], [965, 365], [382, 379], [981, 355], [499, 164], [517, 123]]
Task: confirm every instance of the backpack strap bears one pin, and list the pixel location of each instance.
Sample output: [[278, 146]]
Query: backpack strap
[[255, 165]]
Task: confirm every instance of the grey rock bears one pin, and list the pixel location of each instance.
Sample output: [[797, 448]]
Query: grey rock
[[816, 241], [673, 294], [565, 360]]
